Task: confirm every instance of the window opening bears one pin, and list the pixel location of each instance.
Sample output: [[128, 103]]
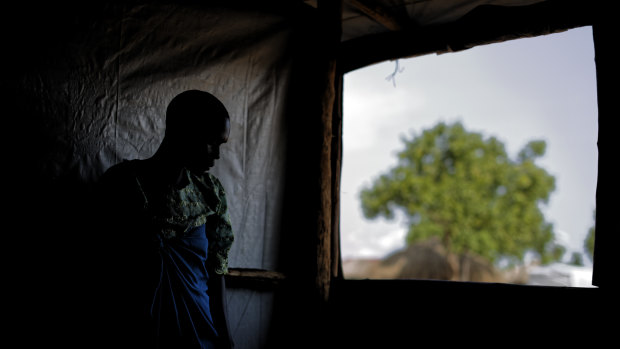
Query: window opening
[[478, 165]]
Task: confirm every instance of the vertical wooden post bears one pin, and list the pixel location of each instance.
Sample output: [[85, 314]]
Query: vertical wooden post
[[330, 13], [607, 191], [336, 174]]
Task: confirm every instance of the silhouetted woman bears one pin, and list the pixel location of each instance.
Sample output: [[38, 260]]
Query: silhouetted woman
[[167, 235]]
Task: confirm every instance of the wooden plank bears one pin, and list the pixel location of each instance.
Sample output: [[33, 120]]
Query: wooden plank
[[331, 12], [256, 274], [254, 278], [336, 159], [379, 14]]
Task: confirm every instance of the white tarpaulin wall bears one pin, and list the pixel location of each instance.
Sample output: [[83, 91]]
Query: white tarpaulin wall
[[239, 57]]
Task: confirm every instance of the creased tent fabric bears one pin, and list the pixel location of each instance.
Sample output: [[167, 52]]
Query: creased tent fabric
[[241, 58], [96, 85], [168, 49]]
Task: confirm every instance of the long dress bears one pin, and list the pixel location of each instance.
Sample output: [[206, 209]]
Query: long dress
[[180, 312], [173, 237]]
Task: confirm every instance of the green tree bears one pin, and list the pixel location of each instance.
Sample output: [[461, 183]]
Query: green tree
[[464, 188], [589, 241], [576, 259]]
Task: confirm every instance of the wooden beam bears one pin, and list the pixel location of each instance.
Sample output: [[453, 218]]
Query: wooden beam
[[379, 14], [250, 273], [331, 12], [254, 278], [336, 159], [484, 25], [608, 187]]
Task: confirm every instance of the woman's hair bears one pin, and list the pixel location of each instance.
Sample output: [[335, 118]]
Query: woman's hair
[[194, 111]]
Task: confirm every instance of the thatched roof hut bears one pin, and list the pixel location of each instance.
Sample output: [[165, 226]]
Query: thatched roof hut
[[427, 260]]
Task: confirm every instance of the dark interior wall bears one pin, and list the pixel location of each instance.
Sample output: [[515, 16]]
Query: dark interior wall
[[410, 313], [61, 100]]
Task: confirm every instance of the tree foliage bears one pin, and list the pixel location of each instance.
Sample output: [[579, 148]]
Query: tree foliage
[[464, 188], [589, 241]]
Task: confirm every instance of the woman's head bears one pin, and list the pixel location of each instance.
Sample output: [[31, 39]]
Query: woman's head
[[197, 123]]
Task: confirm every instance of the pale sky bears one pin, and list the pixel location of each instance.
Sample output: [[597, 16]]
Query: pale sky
[[534, 88]]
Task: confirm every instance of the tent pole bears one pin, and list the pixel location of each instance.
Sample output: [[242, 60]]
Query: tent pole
[[606, 226], [330, 13]]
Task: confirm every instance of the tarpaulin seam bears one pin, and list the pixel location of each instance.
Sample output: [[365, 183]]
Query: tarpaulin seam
[[118, 82], [265, 215], [246, 104]]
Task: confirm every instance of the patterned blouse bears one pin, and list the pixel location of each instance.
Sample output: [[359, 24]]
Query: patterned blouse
[[177, 210], [201, 201]]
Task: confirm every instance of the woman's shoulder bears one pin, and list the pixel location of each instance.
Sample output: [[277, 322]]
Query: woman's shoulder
[[124, 168], [215, 184], [121, 174], [211, 177]]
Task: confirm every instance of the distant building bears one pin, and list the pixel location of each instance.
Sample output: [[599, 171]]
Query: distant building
[[560, 274], [428, 260]]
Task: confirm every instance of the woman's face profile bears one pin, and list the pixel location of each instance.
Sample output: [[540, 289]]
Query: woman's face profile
[[203, 149]]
